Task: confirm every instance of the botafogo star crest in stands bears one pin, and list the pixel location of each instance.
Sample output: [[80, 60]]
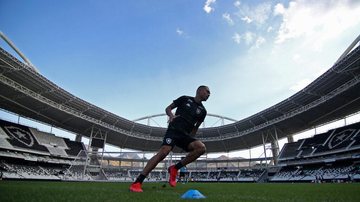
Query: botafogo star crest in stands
[[20, 135], [340, 137]]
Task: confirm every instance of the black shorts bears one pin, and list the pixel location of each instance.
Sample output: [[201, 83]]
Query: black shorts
[[178, 138]]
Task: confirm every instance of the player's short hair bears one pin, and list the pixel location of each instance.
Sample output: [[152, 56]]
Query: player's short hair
[[201, 87]]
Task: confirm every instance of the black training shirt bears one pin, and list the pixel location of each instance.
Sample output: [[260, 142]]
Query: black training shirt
[[189, 112]]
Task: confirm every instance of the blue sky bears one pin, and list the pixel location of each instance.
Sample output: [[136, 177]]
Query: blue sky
[[133, 58]]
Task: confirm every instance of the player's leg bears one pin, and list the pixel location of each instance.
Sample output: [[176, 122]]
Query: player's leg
[[151, 164], [195, 148]]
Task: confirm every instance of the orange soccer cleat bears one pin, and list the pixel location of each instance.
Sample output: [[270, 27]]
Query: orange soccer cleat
[[173, 173], [136, 187]]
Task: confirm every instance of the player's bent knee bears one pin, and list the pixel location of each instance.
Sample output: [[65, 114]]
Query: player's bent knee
[[200, 148]]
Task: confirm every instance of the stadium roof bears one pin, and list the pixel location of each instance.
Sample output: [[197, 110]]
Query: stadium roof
[[334, 95]]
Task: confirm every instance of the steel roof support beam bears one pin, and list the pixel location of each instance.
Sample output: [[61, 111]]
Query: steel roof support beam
[[71, 111], [12, 45], [295, 112]]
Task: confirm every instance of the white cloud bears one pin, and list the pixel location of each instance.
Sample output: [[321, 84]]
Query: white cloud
[[317, 21], [275, 72], [246, 19], [179, 31], [237, 38], [306, 81], [262, 12], [296, 58], [248, 37], [300, 85], [228, 18], [279, 9], [207, 7], [237, 4], [259, 41], [258, 14]]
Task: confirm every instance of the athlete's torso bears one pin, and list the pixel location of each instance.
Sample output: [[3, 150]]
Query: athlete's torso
[[189, 113]]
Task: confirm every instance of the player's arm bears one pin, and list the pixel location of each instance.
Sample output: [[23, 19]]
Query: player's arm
[[168, 111]]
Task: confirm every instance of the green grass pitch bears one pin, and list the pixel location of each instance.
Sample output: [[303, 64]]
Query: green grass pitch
[[224, 192]]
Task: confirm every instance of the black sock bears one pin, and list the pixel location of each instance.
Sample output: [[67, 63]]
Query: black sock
[[179, 165], [140, 178]]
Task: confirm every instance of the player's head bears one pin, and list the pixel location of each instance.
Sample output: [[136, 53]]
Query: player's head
[[203, 92]]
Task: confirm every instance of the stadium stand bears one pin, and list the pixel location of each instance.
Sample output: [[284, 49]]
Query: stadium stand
[[290, 150], [319, 172], [343, 139], [21, 137], [158, 175], [55, 145], [118, 174], [3, 140], [74, 147], [27, 153], [250, 175], [332, 156], [200, 176]]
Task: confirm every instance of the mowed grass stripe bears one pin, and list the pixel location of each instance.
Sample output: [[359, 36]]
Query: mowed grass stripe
[[110, 191]]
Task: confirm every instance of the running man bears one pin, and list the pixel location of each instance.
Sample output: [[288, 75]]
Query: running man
[[182, 128]]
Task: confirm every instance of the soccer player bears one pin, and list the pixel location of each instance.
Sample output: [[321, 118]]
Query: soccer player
[[183, 125]]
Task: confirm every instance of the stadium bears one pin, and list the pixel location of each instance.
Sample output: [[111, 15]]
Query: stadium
[[32, 157], [31, 154]]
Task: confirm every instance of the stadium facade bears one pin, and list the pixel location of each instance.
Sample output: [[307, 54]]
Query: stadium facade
[[24, 91]]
